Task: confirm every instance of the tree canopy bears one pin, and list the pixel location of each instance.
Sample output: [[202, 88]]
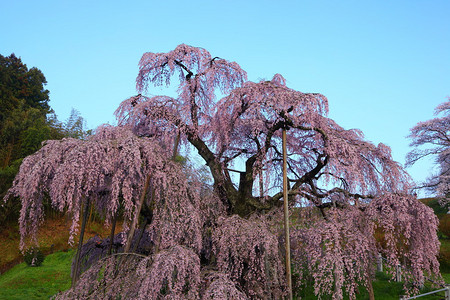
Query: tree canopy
[[343, 189], [432, 139], [23, 107], [246, 125], [17, 83]]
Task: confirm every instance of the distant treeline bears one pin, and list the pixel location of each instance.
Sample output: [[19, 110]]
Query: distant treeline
[[26, 119]]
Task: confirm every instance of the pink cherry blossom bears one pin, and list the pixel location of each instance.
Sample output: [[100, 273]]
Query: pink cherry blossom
[[349, 199]]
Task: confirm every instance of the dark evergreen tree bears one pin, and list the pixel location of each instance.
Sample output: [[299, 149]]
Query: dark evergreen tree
[[23, 109], [26, 120]]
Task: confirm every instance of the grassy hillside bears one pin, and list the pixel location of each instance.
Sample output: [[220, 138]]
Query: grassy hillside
[[53, 237], [24, 282]]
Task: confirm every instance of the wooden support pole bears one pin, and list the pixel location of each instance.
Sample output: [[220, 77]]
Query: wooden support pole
[[286, 217], [76, 269], [111, 236]]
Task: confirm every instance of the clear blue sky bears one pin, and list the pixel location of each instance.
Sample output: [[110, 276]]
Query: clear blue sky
[[384, 65]]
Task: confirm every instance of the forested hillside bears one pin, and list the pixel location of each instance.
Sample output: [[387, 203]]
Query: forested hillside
[[26, 120]]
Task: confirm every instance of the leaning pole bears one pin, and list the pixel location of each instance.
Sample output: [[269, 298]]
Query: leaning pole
[[286, 218]]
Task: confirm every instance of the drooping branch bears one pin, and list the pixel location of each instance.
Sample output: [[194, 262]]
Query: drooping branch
[[189, 72], [308, 177], [239, 152], [247, 178]]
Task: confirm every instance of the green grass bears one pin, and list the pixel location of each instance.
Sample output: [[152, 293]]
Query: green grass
[[24, 282], [383, 288]]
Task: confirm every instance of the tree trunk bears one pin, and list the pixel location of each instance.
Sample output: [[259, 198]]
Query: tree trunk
[[144, 224], [90, 217], [175, 147], [80, 244], [136, 216], [261, 184], [111, 236], [9, 154], [369, 283], [370, 290]]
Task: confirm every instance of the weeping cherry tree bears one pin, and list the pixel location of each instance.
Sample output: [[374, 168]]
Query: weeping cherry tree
[[349, 200]]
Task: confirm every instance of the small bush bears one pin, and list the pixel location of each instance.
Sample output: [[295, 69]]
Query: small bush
[[34, 257]]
